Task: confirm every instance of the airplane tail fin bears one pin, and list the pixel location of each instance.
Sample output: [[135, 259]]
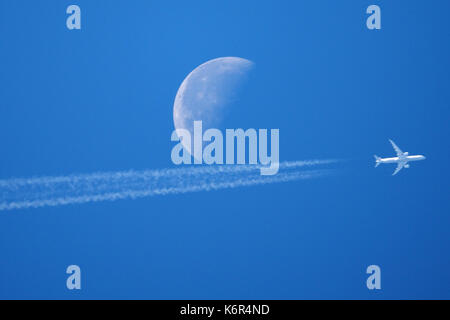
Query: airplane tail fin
[[377, 161]]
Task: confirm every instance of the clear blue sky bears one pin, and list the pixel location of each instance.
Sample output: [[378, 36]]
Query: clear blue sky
[[101, 99]]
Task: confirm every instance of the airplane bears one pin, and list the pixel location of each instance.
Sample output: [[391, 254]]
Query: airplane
[[402, 159]]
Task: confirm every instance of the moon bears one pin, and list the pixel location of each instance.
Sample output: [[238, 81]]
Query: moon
[[208, 92]]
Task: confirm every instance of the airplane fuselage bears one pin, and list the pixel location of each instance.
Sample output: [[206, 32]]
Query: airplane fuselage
[[402, 159]]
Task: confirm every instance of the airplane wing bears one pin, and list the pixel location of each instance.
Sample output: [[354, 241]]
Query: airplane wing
[[399, 167], [397, 149]]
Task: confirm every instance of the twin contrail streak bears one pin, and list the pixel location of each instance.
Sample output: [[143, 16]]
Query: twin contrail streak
[[38, 192]]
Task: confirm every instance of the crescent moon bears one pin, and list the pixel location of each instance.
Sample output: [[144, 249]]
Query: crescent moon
[[207, 91]]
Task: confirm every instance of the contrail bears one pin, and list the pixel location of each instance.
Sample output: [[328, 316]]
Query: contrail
[[22, 193]]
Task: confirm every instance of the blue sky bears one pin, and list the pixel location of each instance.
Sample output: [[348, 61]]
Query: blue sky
[[101, 99]]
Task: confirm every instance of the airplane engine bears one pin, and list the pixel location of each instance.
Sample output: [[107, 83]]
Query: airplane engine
[[406, 166], [406, 153]]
